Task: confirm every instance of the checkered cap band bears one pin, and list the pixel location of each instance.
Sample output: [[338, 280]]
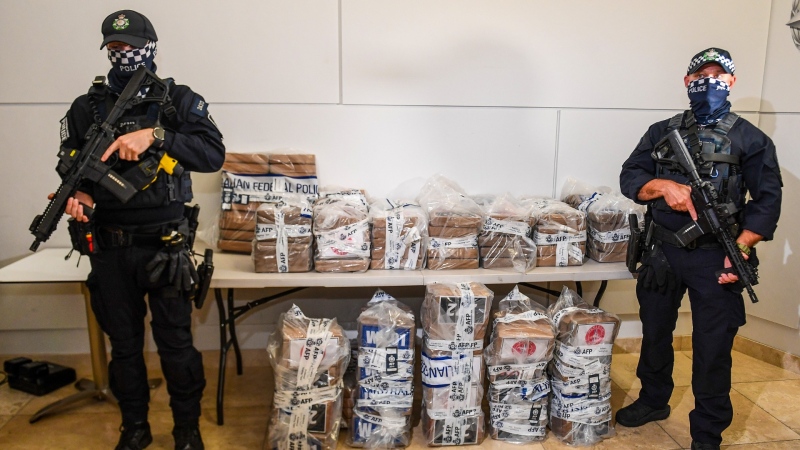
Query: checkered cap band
[[134, 56], [711, 55]]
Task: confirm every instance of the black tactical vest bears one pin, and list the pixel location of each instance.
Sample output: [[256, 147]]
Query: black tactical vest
[[166, 188]]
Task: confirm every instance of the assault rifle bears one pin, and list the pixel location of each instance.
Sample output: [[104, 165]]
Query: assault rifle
[[75, 165], [713, 216]]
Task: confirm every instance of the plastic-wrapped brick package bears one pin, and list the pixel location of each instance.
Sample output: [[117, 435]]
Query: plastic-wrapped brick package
[[382, 414], [308, 358], [505, 235], [607, 216], [520, 348], [342, 235], [454, 321], [559, 233], [455, 221], [399, 232], [250, 179], [283, 241], [580, 373]]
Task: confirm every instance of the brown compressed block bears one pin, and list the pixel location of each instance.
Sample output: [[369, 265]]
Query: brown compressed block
[[286, 158], [235, 246], [380, 264], [515, 342], [409, 220], [550, 250], [434, 430], [236, 221], [449, 264], [248, 158], [453, 253], [379, 253], [250, 163], [341, 265], [330, 217], [452, 232], [507, 252], [439, 310], [266, 261], [245, 169], [294, 332], [236, 235], [455, 219], [502, 263], [292, 215], [293, 170]]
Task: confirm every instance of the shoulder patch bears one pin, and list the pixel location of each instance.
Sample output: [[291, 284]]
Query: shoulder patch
[[199, 106], [64, 129]]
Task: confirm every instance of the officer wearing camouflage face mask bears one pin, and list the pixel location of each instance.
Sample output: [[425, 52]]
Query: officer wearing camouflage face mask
[[130, 235], [738, 159]]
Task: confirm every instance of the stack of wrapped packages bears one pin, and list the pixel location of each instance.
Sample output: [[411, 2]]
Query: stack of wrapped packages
[[520, 348], [382, 414], [341, 232], [454, 323], [559, 233], [580, 373], [504, 240], [250, 179], [308, 358], [607, 215], [455, 221], [283, 241], [399, 231]]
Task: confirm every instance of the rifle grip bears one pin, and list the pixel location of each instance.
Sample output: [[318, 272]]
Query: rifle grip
[[88, 211]]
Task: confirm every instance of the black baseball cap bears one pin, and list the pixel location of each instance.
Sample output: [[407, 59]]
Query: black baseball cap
[[129, 27], [712, 54]]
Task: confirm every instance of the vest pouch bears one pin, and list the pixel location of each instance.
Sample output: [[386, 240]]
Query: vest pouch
[[83, 237]]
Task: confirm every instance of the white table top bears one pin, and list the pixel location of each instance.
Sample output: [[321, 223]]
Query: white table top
[[236, 271]]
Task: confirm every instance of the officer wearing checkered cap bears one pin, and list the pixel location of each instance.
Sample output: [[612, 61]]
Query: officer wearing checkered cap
[[130, 235], [739, 159]]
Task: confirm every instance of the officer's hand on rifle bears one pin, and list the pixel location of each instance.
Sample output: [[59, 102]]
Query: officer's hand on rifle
[[746, 241], [130, 146], [75, 205], [678, 196]]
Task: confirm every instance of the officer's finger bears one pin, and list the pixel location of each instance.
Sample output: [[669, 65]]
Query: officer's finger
[[690, 208], [111, 149], [156, 271], [160, 257]]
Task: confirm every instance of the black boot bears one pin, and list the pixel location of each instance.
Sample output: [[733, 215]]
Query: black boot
[[134, 437], [637, 414], [700, 446], [187, 438]]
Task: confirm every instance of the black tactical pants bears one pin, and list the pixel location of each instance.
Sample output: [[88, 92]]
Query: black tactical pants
[[118, 284], [717, 314]]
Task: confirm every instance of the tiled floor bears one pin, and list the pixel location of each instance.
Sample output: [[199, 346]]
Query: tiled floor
[[765, 400]]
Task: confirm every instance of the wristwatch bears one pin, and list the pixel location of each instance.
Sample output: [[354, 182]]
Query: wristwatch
[[744, 248], [158, 135]]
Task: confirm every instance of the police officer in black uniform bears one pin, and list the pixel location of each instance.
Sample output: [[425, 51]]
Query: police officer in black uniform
[[738, 159], [151, 228]]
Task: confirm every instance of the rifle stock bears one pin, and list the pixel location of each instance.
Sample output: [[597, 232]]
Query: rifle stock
[[706, 201], [84, 164]]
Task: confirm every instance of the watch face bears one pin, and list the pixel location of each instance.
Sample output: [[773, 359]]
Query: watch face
[[158, 133]]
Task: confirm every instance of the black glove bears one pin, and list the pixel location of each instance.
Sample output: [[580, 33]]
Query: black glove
[[655, 273], [181, 272]]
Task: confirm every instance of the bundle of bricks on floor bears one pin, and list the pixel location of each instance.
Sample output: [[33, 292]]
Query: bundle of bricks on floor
[[273, 209], [541, 368]]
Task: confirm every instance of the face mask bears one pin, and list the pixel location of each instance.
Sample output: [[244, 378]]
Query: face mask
[[708, 98], [125, 63]]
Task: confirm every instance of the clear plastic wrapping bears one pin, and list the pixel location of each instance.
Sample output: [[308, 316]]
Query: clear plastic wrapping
[[505, 237], [559, 233], [399, 234], [342, 233], [455, 221], [454, 319], [250, 179], [282, 240], [521, 345], [386, 338], [308, 358], [607, 215], [580, 373]]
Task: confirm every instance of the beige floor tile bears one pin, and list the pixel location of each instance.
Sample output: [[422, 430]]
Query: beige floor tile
[[4, 420], [778, 398], [782, 445], [13, 400], [62, 431], [747, 369], [751, 424], [253, 388], [649, 436]]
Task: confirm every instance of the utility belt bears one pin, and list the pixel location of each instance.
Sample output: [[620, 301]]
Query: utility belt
[[156, 237], [669, 237]]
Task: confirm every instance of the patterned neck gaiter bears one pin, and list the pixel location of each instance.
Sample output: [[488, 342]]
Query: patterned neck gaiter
[[125, 63], [708, 98]]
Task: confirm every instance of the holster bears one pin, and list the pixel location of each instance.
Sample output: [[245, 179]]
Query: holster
[[83, 237]]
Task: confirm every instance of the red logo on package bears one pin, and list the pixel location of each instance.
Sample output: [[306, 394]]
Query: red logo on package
[[525, 348], [595, 335]]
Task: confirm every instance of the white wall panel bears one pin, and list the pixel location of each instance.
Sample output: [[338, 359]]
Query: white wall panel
[[780, 258], [610, 54], [485, 150], [781, 93], [270, 51]]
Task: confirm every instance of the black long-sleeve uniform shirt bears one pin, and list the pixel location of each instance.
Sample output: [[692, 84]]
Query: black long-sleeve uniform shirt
[[760, 170], [191, 137]]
